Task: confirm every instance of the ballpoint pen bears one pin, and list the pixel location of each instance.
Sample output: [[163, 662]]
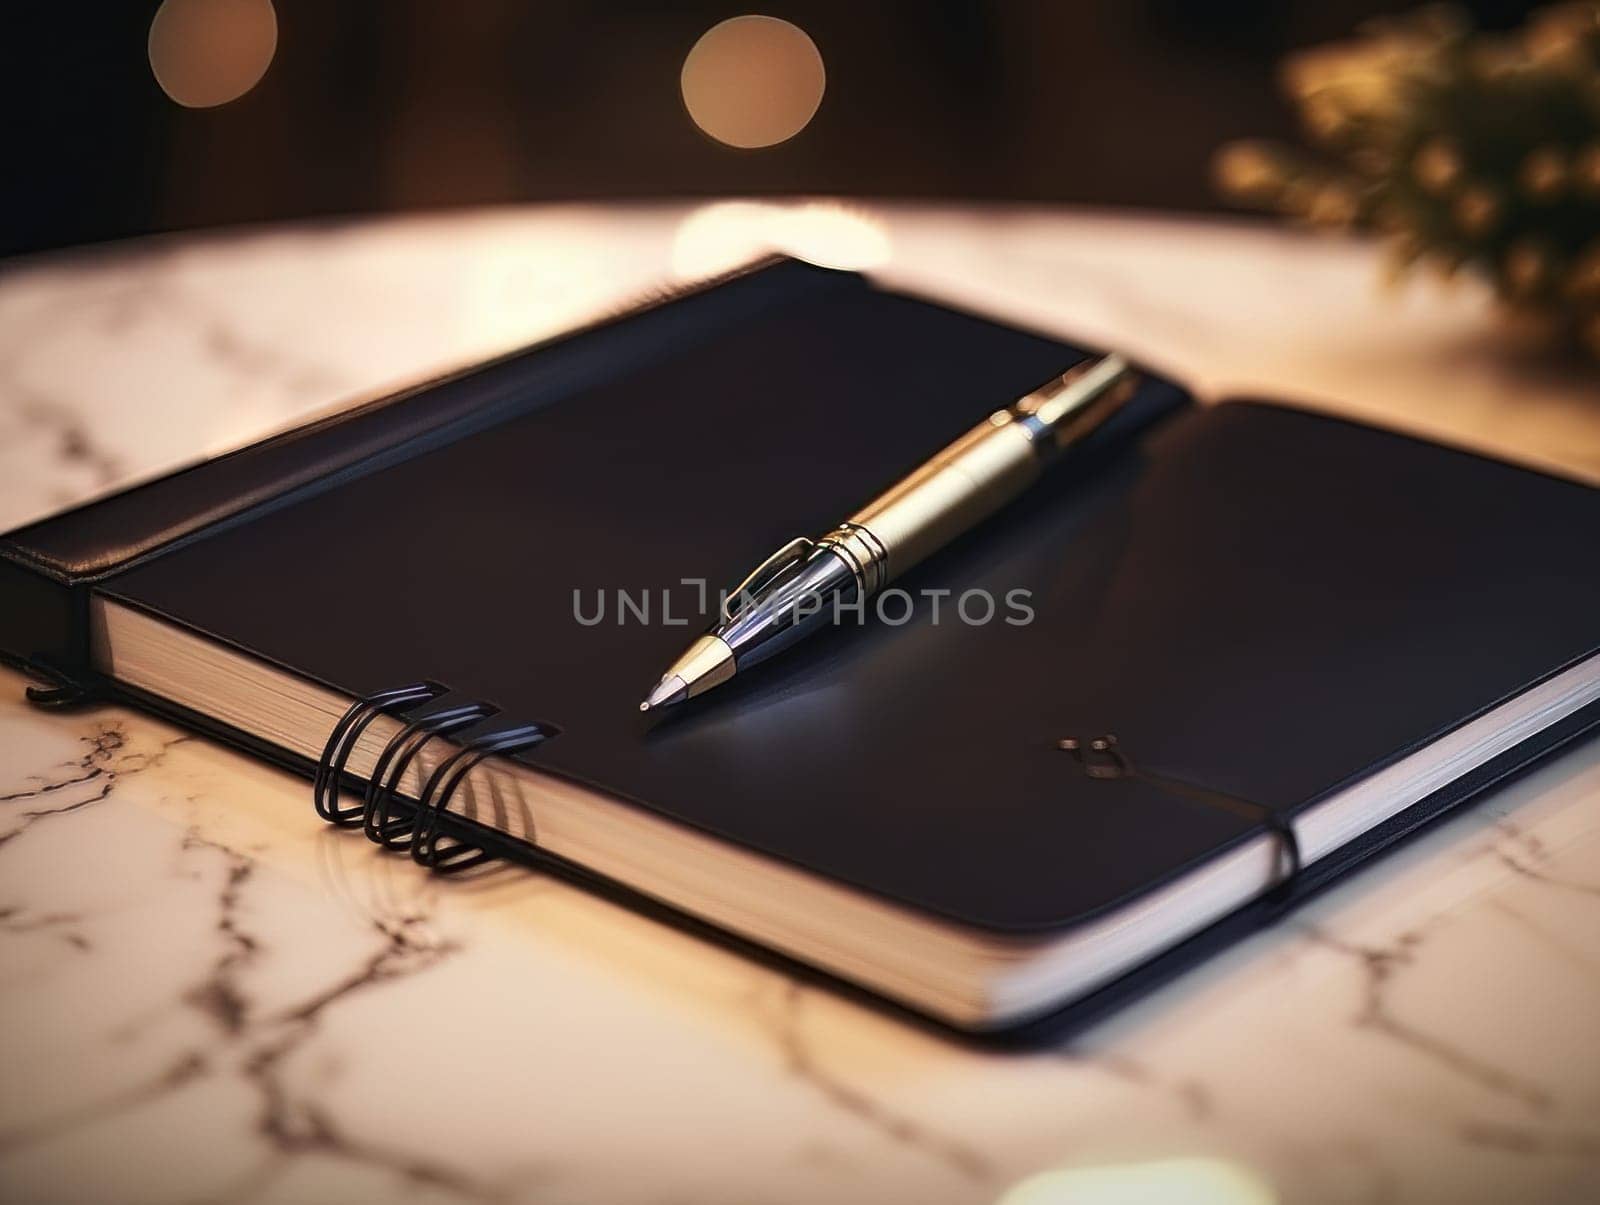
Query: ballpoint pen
[[787, 595]]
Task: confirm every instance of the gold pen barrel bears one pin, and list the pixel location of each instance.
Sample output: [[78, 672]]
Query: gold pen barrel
[[977, 474], [962, 485]]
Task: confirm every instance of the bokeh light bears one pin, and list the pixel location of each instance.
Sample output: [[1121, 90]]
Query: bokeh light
[[208, 52], [1194, 1181], [725, 234], [753, 81]]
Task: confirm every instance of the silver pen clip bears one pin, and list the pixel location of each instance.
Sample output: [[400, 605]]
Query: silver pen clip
[[796, 549]]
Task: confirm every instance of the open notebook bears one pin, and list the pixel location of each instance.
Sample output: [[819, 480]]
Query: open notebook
[[1305, 636]]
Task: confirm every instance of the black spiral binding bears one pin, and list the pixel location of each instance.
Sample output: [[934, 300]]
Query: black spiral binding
[[387, 819], [378, 818], [439, 851], [325, 785], [1103, 758]]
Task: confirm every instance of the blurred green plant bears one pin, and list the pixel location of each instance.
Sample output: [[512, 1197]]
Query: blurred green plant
[[1468, 151]]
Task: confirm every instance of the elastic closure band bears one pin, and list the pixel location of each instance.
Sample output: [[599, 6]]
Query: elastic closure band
[[1103, 758]]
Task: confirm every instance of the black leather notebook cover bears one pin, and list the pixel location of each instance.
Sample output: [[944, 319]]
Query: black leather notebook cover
[[1260, 603]]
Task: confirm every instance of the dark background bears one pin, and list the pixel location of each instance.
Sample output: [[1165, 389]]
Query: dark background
[[385, 105]]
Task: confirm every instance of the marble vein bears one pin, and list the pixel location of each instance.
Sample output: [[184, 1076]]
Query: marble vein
[[257, 1047], [251, 1046], [800, 1060], [1196, 1099], [68, 431], [104, 761], [291, 1122], [1380, 966], [1527, 856], [1532, 1143]]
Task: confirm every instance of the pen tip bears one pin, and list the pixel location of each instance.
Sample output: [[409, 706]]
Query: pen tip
[[669, 690]]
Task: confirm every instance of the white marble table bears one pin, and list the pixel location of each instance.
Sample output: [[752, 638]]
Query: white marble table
[[206, 995]]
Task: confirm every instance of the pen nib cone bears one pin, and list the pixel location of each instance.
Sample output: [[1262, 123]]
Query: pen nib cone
[[668, 691]]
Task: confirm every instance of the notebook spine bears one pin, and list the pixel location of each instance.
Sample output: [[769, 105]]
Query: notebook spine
[[423, 826]]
